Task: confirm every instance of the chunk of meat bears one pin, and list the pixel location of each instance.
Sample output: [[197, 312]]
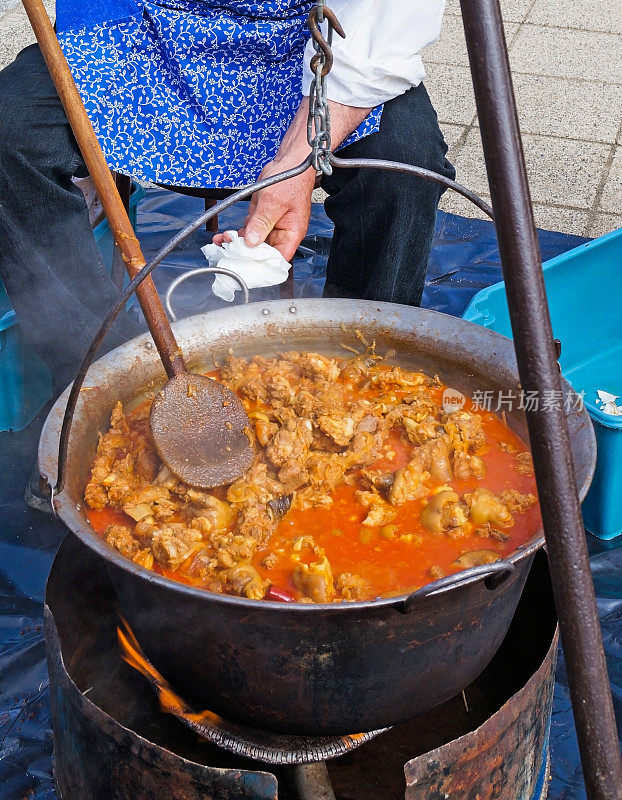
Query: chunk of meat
[[379, 514], [312, 497], [315, 580], [257, 485], [465, 431], [293, 474], [244, 377], [421, 432], [314, 364], [409, 483], [363, 450], [351, 587], [524, 463], [264, 427], [256, 521], [485, 507], [280, 389], [292, 441], [144, 558], [466, 465], [245, 581], [152, 501], [231, 548], [396, 376], [476, 558], [415, 407], [121, 481], [120, 537], [443, 512], [341, 429], [438, 465], [147, 463], [217, 513], [516, 502], [175, 543], [326, 471], [95, 495]]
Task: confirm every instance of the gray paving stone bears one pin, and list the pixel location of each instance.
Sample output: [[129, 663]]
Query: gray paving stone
[[451, 46], [561, 171], [567, 53], [451, 90], [511, 10], [564, 107], [452, 133], [547, 217], [611, 199], [604, 223], [15, 31], [455, 203], [564, 171], [553, 218], [16, 34], [7, 5], [593, 15]]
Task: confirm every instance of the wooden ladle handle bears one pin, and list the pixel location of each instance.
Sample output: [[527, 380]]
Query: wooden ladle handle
[[112, 204]]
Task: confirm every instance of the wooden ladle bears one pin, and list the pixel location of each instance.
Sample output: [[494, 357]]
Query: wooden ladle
[[199, 427]]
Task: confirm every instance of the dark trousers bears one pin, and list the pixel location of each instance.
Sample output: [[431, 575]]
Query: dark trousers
[[50, 263]]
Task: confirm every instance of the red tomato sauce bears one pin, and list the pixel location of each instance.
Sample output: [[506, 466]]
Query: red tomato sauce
[[397, 567]]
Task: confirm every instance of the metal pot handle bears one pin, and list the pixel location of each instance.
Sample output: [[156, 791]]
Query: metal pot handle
[[201, 271], [493, 575]]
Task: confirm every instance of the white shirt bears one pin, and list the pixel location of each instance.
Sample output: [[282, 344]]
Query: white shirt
[[380, 58]]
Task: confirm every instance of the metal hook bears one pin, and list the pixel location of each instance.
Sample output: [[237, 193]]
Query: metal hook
[[318, 37]]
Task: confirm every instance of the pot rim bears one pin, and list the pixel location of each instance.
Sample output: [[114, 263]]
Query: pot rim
[[69, 513]]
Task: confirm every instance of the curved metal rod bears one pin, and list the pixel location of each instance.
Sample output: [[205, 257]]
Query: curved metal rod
[[242, 194], [421, 172], [202, 271], [499, 570]]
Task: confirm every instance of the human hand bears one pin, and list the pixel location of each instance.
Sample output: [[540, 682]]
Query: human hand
[[279, 214]]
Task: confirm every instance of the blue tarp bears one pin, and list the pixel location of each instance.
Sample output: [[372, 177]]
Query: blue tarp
[[464, 259]]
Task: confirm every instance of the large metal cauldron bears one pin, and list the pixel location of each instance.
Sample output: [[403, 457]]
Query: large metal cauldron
[[316, 669]]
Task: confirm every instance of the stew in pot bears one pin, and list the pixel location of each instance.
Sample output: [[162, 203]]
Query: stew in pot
[[363, 486]]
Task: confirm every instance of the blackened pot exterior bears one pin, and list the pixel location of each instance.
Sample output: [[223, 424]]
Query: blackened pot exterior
[[319, 672], [320, 669]]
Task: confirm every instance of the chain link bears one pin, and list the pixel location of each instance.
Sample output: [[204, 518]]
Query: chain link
[[318, 120]]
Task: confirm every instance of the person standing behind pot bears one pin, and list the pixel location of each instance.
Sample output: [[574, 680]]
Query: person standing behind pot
[[212, 93]]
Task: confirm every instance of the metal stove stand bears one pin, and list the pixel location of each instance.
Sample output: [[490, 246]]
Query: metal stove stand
[[112, 741]]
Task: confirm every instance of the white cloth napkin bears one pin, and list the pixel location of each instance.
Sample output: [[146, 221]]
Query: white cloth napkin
[[257, 266]]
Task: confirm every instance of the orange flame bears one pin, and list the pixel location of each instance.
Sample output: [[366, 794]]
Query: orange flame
[[170, 702]]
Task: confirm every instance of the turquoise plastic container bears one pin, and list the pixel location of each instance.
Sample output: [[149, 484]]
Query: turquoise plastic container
[[25, 380], [584, 289]]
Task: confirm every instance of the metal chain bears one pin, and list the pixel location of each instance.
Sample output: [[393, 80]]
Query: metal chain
[[318, 120]]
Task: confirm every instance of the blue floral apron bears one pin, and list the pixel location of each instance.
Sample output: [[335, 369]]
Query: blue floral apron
[[189, 92]]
